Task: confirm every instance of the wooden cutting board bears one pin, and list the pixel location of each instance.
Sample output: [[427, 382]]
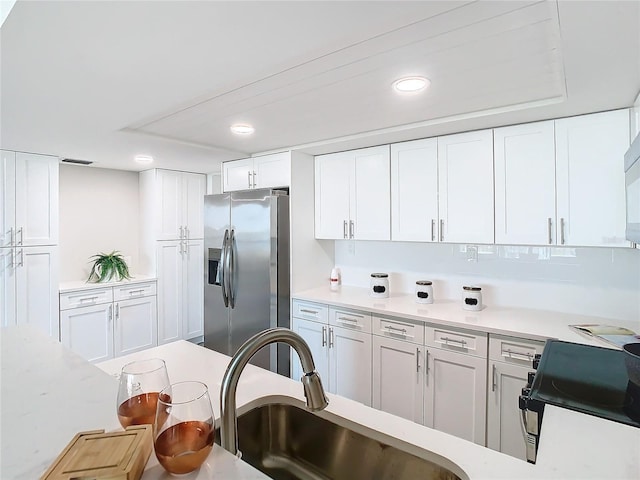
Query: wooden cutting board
[[98, 455]]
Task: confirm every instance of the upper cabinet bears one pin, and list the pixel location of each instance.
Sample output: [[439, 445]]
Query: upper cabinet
[[352, 194], [590, 179], [267, 171], [28, 199], [465, 182], [414, 191], [525, 184], [174, 203]]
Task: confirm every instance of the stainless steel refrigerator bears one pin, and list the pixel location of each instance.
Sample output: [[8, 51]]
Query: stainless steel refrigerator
[[246, 287]]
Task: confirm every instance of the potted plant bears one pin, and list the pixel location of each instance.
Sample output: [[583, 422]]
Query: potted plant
[[107, 267]]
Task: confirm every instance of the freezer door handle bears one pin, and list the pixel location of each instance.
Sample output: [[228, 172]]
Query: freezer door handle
[[223, 268], [231, 270]]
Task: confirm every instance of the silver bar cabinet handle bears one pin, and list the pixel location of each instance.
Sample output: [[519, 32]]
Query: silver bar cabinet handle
[[417, 359], [11, 237], [344, 228], [352, 229], [561, 231], [181, 232], [549, 230], [21, 264], [433, 230], [255, 184], [21, 232], [331, 338], [324, 336], [493, 378], [249, 179], [442, 230]]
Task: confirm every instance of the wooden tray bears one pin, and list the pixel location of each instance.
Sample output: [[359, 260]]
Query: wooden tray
[[99, 455]]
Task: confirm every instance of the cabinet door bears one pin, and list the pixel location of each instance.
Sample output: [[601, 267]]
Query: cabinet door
[[88, 331], [194, 186], [455, 394], [193, 289], [169, 205], [332, 185], [398, 378], [7, 198], [272, 170], [350, 364], [525, 197], [504, 432], [237, 175], [315, 334], [7, 287], [135, 325], [36, 199], [414, 191], [170, 288], [370, 198], [465, 182], [590, 179], [37, 287]]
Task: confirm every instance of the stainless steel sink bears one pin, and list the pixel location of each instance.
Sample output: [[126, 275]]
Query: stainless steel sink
[[288, 442]]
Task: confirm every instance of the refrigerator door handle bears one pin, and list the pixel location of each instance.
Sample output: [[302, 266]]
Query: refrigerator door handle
[[223, 268], [231, 270]]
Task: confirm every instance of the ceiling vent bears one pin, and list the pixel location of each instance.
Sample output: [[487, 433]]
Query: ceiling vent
[[75, 162]]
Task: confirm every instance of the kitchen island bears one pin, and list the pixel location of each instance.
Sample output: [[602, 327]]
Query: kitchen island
[[49, 394]]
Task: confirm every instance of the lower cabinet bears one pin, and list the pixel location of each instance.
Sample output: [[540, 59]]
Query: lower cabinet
[[180, 290], [455, 394], [342, 355], [398, 378], [510, 361], [99, 324]]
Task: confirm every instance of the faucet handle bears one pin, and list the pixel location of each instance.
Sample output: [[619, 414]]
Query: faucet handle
[[313, 391]]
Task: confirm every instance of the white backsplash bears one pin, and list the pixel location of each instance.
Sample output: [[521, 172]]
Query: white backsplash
[[604, 282]]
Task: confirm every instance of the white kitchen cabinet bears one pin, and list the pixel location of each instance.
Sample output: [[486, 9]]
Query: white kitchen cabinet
[[590, 179], [350, 364], [525, 187], [398, 379], [28, 199], [465, 187], [172, 204], [455, 394], [414, 191], [510, 361], [180, 266], [107, 322], [266, 171], [342, 354], [352, 195]]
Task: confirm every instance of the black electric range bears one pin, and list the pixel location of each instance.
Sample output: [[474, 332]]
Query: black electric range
[[584, 378]]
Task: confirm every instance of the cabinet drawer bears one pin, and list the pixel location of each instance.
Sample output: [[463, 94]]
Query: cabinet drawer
[[518, 351], [398, 329], [353, 319], [463, 341], [125, 292], [310, 311], [84, 298]]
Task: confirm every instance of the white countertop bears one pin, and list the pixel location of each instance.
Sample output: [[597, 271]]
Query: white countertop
[[518, 322], [49, 394], [75, 285]]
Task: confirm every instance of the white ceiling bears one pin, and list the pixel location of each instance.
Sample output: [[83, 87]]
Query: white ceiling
[[104, 81]]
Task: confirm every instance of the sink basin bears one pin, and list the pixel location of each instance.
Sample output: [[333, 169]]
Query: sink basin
[[288, 442]]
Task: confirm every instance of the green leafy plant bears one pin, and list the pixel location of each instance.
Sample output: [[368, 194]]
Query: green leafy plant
[[107, 267]]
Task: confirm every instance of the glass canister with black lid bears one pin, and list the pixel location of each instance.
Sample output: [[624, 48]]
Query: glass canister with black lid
[[379, 286], [424, 291], [472, 297]]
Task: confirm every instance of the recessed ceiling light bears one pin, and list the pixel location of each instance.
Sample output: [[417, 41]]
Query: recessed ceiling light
[[242, 129], [411, 84], [144, 159]]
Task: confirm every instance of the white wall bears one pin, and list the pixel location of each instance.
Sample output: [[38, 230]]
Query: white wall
[[98, 213], [603, 282]]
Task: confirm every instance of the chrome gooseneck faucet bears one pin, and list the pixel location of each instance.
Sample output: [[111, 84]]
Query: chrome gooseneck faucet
[[313, 391]]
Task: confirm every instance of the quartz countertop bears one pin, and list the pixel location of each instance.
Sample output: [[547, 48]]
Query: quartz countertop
[[49, 394], [74, 285], [518, 322]]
